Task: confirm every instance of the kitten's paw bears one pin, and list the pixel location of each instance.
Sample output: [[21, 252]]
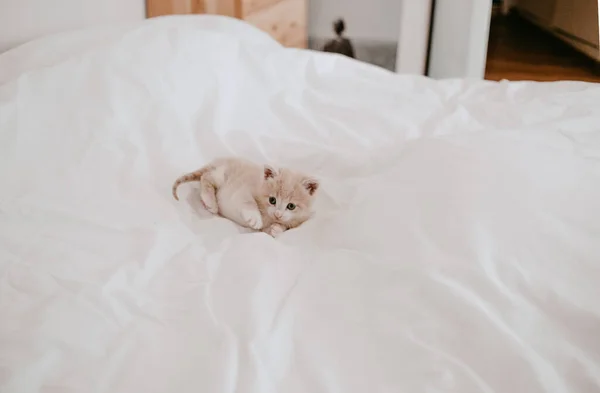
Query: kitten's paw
[[275, 230], [252, 218]]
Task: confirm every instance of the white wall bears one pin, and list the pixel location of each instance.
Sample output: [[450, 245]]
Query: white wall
[[373, 20], [23, 20]]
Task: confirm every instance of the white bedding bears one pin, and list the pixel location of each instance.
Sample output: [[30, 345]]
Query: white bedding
[[456, 246]]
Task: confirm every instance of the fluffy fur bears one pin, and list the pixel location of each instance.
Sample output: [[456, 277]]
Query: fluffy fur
[[258, 197]]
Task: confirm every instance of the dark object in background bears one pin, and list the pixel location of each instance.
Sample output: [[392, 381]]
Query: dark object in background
[[340, 45]]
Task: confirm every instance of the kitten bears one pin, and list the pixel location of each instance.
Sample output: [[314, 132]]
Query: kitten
[[253, 196]]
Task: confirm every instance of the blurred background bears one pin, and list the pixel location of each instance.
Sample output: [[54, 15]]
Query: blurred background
[[541, 40], [544, 40]]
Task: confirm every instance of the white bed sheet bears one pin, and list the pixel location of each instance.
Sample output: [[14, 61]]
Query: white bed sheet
[[456, 246]]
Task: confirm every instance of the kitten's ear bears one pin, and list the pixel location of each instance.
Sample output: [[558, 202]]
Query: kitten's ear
[[311, 185], [270, 172]]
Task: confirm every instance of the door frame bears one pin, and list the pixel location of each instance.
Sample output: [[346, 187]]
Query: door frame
[[413, 42], [459, 38]]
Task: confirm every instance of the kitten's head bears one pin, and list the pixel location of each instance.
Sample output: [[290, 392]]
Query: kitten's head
[[288, 196]]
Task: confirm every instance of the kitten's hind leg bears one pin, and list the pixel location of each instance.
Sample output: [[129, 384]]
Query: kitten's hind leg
[[208, 193]]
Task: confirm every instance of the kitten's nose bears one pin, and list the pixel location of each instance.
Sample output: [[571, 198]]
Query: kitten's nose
[[278, 214]]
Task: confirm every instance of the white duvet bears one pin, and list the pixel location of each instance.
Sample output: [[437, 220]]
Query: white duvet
[[456, 246]]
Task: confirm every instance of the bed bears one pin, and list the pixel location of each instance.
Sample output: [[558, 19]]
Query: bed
[[456, 245]]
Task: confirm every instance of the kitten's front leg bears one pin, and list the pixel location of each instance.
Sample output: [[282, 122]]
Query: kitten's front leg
[[251, 216], [275, 230]]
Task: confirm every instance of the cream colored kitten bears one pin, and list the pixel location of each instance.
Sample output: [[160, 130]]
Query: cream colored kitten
[[258, 197]]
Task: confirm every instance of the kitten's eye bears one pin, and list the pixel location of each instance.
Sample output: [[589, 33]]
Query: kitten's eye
[[272, 200], [291, 206]]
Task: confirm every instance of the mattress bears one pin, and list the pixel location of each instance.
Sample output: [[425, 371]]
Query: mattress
[[455, 246]]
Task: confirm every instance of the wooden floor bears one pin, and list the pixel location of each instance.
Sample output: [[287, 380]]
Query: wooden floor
[[518, 50]]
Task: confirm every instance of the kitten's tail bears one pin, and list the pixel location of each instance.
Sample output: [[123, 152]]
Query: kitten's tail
[[188, 177]]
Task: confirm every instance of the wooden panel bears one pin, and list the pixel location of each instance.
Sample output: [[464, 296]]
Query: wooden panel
[[231, 8], [251, 6], [172, 7], [285, 21]]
